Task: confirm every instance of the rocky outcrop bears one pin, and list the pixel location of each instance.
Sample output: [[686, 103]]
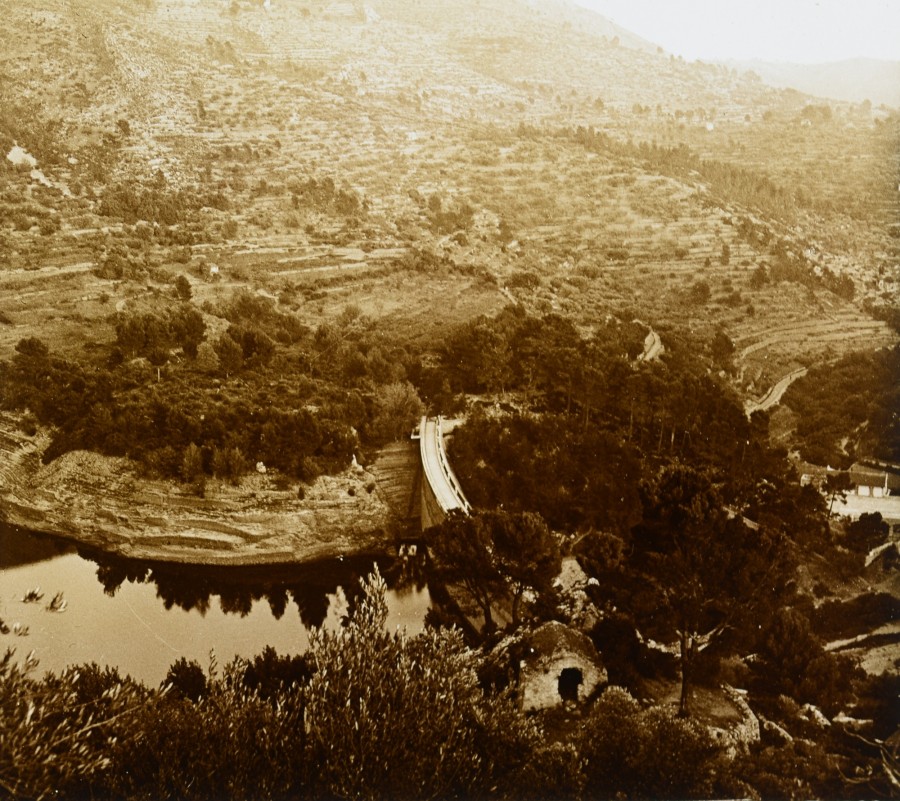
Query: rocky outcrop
[[772, 733], [103, 502]]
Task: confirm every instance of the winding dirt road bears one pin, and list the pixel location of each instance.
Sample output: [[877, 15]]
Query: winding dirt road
[[773, 396]]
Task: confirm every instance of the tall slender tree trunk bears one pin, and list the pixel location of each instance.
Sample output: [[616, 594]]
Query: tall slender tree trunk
[[517, 597], [686, 659], [489, 624]]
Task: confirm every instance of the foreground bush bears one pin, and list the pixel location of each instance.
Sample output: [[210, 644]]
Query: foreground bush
[[397, 717], [371, 714], [368, 714], [56, 735], [636, 753]]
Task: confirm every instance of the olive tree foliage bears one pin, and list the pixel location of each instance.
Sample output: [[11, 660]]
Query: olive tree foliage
[[88, 733], [54, 733], [227, 742], [393, 716]]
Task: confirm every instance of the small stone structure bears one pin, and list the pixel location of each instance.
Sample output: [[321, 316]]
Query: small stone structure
[[740, 735], [560, 665]]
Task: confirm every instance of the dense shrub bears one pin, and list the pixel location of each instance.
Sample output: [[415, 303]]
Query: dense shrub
[[866, 533], [156, 202], [792, 661], [635, 753], [843, 619], [186, 680], [271, 676], [627, 659], [229, 463], [142, 334]]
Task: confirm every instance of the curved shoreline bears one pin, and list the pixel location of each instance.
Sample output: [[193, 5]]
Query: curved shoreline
[[103, 503]]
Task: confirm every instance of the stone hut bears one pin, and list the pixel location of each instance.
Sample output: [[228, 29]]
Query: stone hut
[[560, 665]]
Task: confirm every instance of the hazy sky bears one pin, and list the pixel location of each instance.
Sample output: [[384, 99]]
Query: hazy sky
[[805, 31]]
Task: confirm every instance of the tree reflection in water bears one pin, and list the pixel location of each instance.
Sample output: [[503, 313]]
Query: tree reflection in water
[[113, 574], [278, 601], [312, 603], [310, 586]]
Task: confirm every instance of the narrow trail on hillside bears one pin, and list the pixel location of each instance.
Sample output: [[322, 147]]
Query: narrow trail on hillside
[[774, 395]]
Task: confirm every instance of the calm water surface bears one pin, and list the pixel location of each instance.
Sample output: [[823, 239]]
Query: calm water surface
[[142, 616]]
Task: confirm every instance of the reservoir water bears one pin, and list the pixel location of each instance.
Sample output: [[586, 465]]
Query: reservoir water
[[140, 617]]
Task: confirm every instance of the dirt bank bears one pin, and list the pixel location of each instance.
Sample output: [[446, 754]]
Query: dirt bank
[[104, 502]]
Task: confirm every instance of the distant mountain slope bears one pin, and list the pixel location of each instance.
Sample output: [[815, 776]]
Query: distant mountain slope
[[853, 80], [384, 153], [558, 48]]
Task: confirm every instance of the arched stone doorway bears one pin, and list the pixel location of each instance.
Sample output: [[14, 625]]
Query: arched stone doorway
[[569, 681]]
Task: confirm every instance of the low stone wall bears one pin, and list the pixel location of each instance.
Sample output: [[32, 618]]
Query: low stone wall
[[738, 737]]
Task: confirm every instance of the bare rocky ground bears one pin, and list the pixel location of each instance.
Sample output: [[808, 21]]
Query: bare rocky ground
[[102, 502]]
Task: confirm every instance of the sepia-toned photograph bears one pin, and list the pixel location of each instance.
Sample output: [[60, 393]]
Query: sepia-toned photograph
[[408, 400]]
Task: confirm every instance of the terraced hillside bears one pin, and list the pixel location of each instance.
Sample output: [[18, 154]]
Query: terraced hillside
[[426, 163]]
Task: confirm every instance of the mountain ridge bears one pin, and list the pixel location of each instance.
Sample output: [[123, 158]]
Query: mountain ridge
[[853, 80]]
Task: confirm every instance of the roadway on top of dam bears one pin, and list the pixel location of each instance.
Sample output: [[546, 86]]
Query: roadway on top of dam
[[438, 472]]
